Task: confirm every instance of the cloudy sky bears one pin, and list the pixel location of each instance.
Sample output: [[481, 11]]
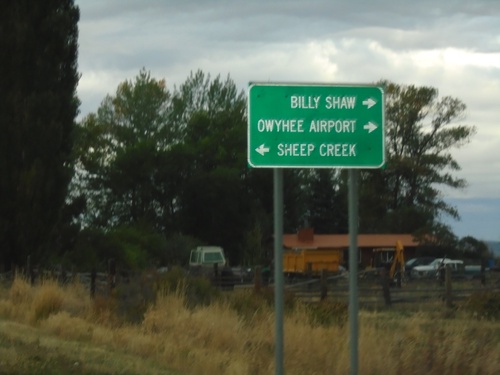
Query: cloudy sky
[[452, 45]]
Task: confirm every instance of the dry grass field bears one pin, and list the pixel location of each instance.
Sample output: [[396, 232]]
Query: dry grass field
[[52, 329]]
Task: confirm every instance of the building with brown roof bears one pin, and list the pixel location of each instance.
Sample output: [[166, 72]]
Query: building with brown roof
[[367, 243]]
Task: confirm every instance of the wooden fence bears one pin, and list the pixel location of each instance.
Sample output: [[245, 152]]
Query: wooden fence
[[380, 291], [373, 291]]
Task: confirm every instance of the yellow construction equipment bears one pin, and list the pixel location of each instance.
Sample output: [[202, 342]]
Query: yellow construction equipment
[[398, 263], [391, 258], [310, 262]]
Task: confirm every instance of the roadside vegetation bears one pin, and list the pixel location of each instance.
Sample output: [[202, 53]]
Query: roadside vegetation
[[191, 328]]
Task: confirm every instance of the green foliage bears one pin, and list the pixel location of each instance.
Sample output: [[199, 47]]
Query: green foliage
[[139, 247], [211, 114], [437, 240], [327, 209], [121, 153], [92, 249], [168, 160], [177, 250], [421, 130], [132, 247], [473, 248], [252, 244], [38, 108]]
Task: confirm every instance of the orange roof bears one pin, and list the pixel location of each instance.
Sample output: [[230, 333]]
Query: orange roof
[[291, 241]]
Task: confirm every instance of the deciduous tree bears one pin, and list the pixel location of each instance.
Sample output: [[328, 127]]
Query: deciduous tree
[[120, 150], [422, 129]]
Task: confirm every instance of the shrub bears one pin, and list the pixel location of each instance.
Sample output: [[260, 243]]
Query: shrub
[[69, 327], [327, 313], [198, 290], [289, 300], [104, 311], [134, 297], [172, 280], [48, 300], [484, 305], [20, 292], [247, 303]]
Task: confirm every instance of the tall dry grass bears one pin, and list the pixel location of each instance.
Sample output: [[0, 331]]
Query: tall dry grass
[[235, 334]]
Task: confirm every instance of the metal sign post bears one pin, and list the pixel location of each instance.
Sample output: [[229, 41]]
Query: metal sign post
[[353, 270], [278, 270]]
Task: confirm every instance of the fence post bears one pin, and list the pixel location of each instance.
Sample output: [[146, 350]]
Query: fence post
[[385, 287], [323, 285], [448, 294]]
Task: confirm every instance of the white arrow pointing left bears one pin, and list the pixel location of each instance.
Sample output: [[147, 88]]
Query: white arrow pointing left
[[262, 149], [370, 127]]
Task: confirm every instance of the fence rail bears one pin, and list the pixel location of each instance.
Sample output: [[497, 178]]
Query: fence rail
[[379, 291]]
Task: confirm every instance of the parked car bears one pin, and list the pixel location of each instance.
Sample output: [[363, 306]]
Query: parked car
[[432, 269], [414, 262]]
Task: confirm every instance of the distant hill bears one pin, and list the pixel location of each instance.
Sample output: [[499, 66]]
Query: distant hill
[[494, 246]]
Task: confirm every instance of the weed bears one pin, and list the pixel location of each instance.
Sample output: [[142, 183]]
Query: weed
[[21, 291], [327, 313], [484, 305], [48, 300]]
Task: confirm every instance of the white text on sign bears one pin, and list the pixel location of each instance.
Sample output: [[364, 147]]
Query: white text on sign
[[330, 102], [297, 126], [324, 150]]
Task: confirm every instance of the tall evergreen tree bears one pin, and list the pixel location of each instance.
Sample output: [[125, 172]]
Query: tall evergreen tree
[[38, 107]]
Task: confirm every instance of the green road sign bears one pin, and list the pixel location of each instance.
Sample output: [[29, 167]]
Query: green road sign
[[315, 126]]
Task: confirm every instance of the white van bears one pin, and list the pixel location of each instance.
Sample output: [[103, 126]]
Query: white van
[[207, 256], [209, 261], [431, 270]]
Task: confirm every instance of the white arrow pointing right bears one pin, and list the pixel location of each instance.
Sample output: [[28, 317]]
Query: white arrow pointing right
[[369, 103], [370, 127], [262, 149]]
